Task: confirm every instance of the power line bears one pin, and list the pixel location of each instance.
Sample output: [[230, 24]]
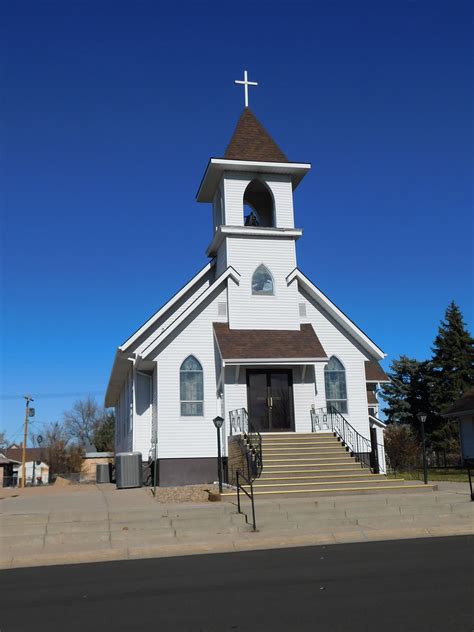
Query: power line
[[54, 395]]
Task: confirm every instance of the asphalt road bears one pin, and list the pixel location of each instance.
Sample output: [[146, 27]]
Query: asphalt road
[[377, 586]]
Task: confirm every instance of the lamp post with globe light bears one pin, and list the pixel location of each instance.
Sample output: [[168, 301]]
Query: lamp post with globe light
[[422, 418], [218, 421]]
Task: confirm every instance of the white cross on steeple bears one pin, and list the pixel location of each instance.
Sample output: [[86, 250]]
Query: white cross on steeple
[[246, 83]]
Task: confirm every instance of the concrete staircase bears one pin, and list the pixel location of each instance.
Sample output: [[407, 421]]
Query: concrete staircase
[[308, 464]]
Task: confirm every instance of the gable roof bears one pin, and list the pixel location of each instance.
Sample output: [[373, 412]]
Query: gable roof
[[32, 454], [147, 324], [338, 315], [374, 372], [463, 406], [6, 461], [268, 344], [123, 359], [251, 141]]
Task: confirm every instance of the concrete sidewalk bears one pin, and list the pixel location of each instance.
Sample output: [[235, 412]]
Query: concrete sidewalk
[[100, 523]]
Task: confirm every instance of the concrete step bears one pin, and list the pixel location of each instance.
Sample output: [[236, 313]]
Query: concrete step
[[347, 463], [299, 472], [296, 435], [300, 444], [344, 491], [308, 478], [271, 460], [359, 482], [299, 453], [297, 438]]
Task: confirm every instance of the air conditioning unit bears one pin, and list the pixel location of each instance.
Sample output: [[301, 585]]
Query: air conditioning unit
[[128, 470], [102, 473]]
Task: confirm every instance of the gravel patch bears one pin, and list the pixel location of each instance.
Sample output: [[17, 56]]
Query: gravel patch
[[185, 494]]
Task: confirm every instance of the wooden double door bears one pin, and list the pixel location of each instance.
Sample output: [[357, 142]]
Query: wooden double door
[[270, 399]]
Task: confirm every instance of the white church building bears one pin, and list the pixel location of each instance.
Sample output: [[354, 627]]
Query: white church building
[[250, 330]]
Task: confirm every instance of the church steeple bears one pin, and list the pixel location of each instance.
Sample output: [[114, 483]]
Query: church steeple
[[251, 141]]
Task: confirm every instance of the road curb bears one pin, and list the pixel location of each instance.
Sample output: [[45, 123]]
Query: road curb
[[253, 542]]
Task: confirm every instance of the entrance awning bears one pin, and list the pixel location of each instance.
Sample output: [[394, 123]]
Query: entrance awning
[[268, 346]]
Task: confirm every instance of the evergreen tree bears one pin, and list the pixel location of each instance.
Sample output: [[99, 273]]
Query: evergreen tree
[[453, 360], [104, 435], [408, 391]]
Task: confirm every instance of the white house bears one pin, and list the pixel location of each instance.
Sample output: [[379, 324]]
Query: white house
[[250, 330]]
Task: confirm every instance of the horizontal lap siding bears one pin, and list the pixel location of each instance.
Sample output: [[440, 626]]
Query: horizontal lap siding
[[188, 437], [247, 311], [124, 417], [338, 343], [234, 189], [304, 397], [235, 394], [283, 196], [143, 415]]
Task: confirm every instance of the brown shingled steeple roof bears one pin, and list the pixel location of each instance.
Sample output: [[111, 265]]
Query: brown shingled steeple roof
[[252, 142]]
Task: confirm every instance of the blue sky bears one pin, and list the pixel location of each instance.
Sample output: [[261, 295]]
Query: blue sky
[[110, 111]]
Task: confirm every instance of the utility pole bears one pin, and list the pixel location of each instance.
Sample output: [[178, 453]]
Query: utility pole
[[25, 435]]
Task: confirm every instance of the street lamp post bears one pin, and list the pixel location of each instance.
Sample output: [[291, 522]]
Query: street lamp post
[[422, 419], [218, 421]]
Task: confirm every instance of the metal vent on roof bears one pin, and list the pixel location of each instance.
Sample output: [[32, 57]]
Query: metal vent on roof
[[302, 307], [222, 309]]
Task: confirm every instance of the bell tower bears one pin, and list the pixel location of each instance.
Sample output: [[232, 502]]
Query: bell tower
[[251, 192]]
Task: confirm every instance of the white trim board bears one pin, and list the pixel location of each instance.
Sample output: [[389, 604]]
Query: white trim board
[[230, 272], [126, 345], [339, 316]]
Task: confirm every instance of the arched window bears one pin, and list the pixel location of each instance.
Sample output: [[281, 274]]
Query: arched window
[[258, 205], [335, 381], [262, 281], [191, 388]]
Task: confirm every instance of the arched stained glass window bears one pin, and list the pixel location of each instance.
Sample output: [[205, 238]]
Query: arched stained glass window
[[262, 281], [191, 388], [335, 382]]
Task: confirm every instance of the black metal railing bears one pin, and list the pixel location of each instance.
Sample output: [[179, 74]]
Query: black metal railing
[[250, 464], [239, 420], [330, 419]]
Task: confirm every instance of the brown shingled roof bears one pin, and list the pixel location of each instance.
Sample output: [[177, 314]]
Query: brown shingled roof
[[372, 398], [374, 372], [251, 141], [32, 454], [464, 405], [254, 344]]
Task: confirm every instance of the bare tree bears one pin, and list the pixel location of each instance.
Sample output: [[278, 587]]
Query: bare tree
[[62, 456], [3, 439], [83, 420]]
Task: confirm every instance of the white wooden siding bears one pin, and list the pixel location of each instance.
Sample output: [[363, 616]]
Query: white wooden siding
[[187, 437], [143, 414], [280, 187], [124, 417], [337, 342], [304, 396], [247, 311]]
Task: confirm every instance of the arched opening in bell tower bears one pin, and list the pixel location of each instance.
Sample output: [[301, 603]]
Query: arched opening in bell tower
[[259, 208]]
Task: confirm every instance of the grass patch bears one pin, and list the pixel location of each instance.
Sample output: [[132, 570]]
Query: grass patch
[[435, 474]]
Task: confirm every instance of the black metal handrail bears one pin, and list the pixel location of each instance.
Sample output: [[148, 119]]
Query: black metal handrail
[[251, 463], [361, 447], [238, 421]]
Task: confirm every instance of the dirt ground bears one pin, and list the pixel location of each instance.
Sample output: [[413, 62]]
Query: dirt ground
[[185, 494]]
